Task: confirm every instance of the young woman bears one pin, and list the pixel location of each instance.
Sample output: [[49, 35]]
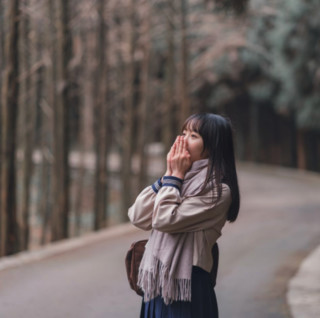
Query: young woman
[[186, 210]]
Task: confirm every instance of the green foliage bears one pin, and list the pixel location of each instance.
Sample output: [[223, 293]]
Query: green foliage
[[237, 6], [309, 115], [290, 38], [280, 64], [219, 96], [261, 91]]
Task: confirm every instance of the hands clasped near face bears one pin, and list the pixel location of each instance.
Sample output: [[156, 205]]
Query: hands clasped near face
[[178, 159]]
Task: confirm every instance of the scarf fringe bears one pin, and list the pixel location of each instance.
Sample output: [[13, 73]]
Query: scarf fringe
[[158, 282]]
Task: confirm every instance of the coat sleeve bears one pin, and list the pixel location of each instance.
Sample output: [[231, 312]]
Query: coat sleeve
[[173, 214], [140, 213]]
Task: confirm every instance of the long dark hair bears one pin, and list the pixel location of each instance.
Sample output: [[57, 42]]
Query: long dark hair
[[216, 132]]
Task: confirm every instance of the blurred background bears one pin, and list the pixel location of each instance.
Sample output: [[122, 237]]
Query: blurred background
[[93, 93]]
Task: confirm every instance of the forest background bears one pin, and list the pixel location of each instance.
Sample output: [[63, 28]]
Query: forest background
[[93, 93]]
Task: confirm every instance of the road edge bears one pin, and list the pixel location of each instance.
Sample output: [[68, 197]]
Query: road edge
[[303, 295], [64, 246], [281, 171]]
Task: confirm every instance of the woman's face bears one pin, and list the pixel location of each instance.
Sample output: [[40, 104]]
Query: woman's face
[[194, 143]]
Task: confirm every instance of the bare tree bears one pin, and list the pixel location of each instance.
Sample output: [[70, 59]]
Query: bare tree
[[2, 64], [184, 100], [168, 116], [254, 132], [10, 94], [37, 105], [143, 108], [28, 112], [2, 55], [87, 130], [61, 176], [101, 111], [128, 113], [48, 106]]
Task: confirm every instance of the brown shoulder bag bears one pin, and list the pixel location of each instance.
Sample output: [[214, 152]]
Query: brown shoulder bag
[[135, 254], [132, 261]]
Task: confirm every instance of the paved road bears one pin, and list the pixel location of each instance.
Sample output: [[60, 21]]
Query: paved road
[[278, 226]]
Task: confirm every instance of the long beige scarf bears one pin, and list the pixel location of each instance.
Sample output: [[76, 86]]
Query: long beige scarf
[[167, 262]]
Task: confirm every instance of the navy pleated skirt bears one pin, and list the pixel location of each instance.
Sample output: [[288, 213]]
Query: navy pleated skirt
[[203, 301]]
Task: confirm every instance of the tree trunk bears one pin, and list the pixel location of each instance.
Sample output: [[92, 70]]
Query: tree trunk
[[312, 150], [61, 126], [28, 111], [2, 66], [301, 150], [184, 65], [87, 133], [2, 42], [45, 204], [48, 105], [2, 54], [144, 99], [128, 117], [100, 200], [168, 106], [10, 93], [293, 142], [254, 132]]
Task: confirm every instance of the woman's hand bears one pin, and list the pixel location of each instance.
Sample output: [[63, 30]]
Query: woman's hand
[[179, 159], [169, 155], [169, 158]]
